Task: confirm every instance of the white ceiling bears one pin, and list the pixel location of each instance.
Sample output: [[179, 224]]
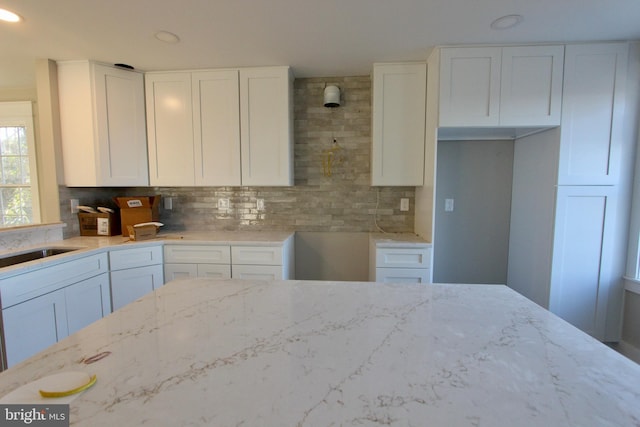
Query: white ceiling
[[317, 38]]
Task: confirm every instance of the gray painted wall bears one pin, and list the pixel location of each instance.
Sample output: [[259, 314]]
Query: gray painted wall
[[332, 256], [471, 244]]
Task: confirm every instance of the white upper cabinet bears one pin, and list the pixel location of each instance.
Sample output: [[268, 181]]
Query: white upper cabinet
[[531, 86], [399, 100], [102, 123], [470, 86], [266, 116], [500, 86], [220, 127], [216, 127], [592, 113], [170, 128]]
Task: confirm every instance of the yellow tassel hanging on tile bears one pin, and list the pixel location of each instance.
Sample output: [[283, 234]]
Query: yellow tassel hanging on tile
[[330, 158]]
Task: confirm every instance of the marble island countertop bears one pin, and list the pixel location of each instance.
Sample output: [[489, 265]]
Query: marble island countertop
[[204, 352]]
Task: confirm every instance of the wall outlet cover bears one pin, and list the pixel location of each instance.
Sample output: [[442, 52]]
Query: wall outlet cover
[[223, 203]]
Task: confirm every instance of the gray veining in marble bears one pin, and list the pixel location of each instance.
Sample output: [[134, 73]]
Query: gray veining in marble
[[300, 353]]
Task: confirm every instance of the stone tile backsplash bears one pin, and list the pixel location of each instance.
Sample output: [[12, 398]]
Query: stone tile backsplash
[[343, 201]]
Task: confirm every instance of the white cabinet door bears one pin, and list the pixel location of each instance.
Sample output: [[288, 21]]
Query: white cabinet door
[[102, 122], [470, 86], [180, 271], [496, 86], [266, 110], [34, 325], [87, 301], [592, 109], [129, 285], [531, 85], [170, 128], [216, 126], [582, 253], [399, 102]]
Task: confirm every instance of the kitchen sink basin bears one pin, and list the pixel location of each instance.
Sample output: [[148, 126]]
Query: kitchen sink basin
[[33, 255]]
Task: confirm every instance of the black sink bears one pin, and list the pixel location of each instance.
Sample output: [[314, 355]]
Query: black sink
[[33, 255]]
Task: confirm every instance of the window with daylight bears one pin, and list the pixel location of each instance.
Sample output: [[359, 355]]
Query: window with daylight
[[18, 176]]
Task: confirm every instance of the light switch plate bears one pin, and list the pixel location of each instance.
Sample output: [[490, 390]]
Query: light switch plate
[[448, 205], [404, 204], [260, 204]]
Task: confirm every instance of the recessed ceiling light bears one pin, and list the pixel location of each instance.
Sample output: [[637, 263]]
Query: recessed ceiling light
[[8, 16], [167, 37], [506, 22]]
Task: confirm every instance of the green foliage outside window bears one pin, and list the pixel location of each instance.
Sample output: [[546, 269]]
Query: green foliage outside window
[[15, 188]]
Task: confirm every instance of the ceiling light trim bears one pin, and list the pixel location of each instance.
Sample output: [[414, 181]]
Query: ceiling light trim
[[507, 22], [167, 37]]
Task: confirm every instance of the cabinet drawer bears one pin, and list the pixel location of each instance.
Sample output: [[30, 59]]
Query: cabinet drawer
[[186, 271], [402, 275], [257, 272], [403, 257], [23, 287], [256, 255], [197, 254], [214, 271], [136, 257]]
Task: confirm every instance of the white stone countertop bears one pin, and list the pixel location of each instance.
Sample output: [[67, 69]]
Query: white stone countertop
[[205, 352], [392, 240], [87, 245]]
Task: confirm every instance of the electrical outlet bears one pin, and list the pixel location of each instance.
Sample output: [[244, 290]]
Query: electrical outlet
[[74, 205], [223, 203], [404, 204], [168, 203], [260, 204]]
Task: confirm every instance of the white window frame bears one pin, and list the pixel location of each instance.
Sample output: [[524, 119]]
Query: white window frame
[[20, 113]]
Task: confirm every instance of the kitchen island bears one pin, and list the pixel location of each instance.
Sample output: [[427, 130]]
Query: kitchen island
[[203, 352]]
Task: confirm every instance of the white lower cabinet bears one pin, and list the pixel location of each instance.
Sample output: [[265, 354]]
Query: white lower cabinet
[[257, 262], [134, 273], [583, 273], [131, 284], [188, 261], [409, 263], [33, 326], [43, 306], [87, 302], [263, 262]]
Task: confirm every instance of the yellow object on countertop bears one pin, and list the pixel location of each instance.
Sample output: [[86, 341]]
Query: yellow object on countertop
[[65, 393]]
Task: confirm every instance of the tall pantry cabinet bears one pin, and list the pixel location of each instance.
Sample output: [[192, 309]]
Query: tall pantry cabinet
[[571, 257]]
